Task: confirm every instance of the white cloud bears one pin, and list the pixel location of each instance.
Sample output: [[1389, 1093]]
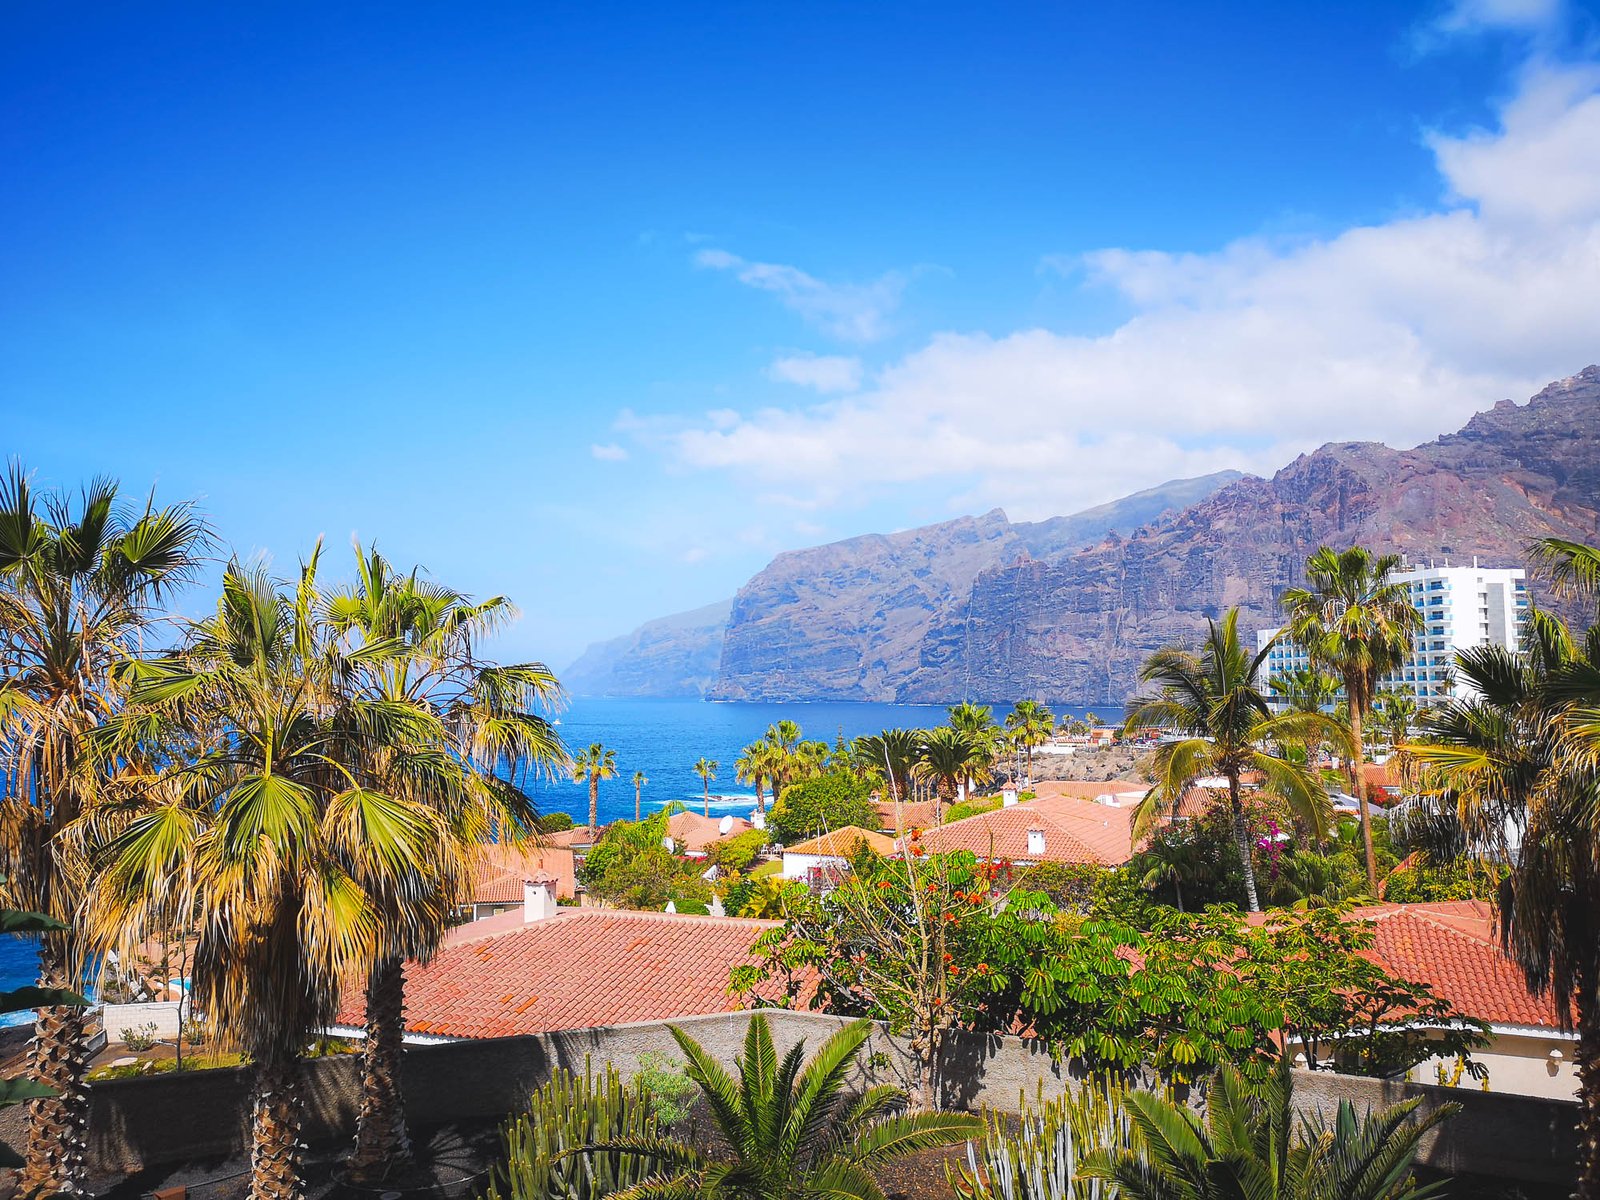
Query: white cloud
[[609, 452], [825, 373], [854, 312], [1243, 357]]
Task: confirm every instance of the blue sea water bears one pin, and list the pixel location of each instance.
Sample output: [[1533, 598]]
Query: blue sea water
[[662, 738]]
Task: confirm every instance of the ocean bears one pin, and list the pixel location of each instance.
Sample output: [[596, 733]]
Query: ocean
[[662, 738]]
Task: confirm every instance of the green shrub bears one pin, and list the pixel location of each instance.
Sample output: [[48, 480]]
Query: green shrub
[[554, 822], [738, 852], [971, 808], [669, 1091], [830, 801], [1070, 885], [568, 1112]]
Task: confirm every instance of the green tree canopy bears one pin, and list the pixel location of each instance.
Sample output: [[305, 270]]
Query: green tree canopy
[[830, 801]]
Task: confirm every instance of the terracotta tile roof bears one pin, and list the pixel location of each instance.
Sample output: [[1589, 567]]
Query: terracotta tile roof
[[578, 837], [842, 843], [1075, 831], [1088, 789], [918, 814], [694, 832], [504, 867], [1451, 946], [572, 971]]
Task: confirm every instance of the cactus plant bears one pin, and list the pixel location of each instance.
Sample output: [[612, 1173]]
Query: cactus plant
[[1039, 1161], [568, 1112]]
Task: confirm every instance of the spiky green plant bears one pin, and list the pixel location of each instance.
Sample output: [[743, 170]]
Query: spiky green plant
[[1248, 1145], [1041, 1159], [568, 1112], [791, 1129]]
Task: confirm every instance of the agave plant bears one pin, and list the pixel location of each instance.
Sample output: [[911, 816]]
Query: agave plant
[[568, 1112], [1041, 1160], [1248, 1145], [791, 1128]]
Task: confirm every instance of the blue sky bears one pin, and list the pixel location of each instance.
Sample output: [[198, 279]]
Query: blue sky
[[600, 306]]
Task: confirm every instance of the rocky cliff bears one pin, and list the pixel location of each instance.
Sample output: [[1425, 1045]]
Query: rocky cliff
[[852, 620], [670, 657], [1077, 626]]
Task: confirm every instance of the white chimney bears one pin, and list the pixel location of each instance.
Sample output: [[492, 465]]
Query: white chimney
[[758, 819], [538, 899], [716, 908], [672, 906], [1008, 797], [1035, 843]]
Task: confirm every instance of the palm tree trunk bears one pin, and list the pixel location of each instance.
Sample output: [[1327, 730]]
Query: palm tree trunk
[[638, 802], [1177, 890], [1587, 1056], [1241, 838], [276, 1113], [707, 808], [382, 1145], [58, 1128], [594, 804], [1358, 786]]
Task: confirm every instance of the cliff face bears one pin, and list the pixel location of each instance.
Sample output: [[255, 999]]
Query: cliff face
[[671, 657], [1078, 626], [851, 620]]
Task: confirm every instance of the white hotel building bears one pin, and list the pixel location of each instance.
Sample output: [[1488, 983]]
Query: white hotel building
[[1461, 607]]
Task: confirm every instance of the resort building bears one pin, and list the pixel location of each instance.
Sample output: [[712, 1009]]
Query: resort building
[[1461, 607]]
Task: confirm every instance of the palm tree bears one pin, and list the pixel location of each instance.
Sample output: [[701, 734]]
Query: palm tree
[[1032, 724], [1169, 860], [977, 722], [458, 734], [948, 757], [1214, 698], [1246, 1145], [753, 766], [1306, 689], [790, 1128], [639, 781], [591, 766], [706, 768], [1354, 620], [784, 737], [81, 581], [288, 857], [1513, 775]]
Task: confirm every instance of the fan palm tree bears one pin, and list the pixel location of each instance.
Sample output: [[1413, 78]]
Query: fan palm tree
[[706, 768], [1169, 860], [468, 734], [1247, 1144], [639, 781], [1214, 698], [1032, 724], [1355, 621], [784, 738], [288, 857], [591, 766], [790, 1128], [81, 582], [1513, 775], [948, 757], [754, 766]]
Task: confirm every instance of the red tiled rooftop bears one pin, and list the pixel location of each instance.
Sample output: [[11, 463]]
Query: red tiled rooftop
[[842, 843], [1452, 947], [574, 970], [1075, 831], [693, 832], [503, 867]]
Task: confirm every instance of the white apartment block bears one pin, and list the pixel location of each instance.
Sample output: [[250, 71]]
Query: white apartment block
[[1461, 607]]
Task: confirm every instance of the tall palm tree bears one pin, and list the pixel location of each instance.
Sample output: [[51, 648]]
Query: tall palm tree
[[1215, 699], [81, 581], [784, 738], [890, 756], [752, 767], [288, 857], [789, 1125], [1354, 620], [1305, 689], [977, 722], [706, 768], [1032, 724], [1250, 1144], [591, 766], [639, 781], [462, 735], [1513, 775]]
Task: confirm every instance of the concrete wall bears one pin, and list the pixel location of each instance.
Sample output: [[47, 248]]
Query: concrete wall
[[1519, 1064], [172, 1118], [163, 1014]]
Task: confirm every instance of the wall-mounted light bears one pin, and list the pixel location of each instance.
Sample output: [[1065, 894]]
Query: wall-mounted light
[[1552, 1061]]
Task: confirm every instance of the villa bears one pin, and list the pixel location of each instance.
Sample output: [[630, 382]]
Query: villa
[[1056, 828], [814, 859]]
